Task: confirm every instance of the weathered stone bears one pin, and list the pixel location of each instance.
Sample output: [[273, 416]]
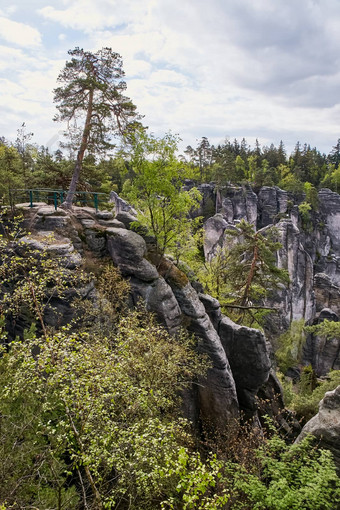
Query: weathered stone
[[104, 215], [121, 205], [213, 309], [247, 353], [327, 294], [329, 203], [189, 301], [217, 393], [48, 244], [325, 425], [50, 210], [296, 300], [51, 222], [126, 218], [237, 203], [271, 202], [158, 298], [213, 235], [111, 223], [323, 354], [127, 250]]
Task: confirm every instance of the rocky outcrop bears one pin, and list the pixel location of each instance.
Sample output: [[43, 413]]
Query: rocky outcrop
[[325, 426], [323, 354], [168, 293], [239, 362], [247, 352], [236, 203], [272, 202], [214, 229], [294, 301]]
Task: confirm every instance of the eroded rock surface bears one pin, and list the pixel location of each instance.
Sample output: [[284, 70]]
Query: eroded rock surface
[[168, 293], [325, 425]]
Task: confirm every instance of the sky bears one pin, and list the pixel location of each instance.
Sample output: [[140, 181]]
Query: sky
[[265, 69]]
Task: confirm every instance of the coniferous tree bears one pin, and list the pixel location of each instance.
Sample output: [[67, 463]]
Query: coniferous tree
[[92, 92]]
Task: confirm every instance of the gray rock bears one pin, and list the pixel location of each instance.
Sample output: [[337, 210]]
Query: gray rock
[[121, 205], [49, 210], [325, 425], [51, 223], [104, 215], [238, 203], [213, 235], [329, 203], [323, 354], [158, 298], [213, 309], [127, 250], [247, 353], [271, 202], [327, 294], [111, 223], [126, 218]]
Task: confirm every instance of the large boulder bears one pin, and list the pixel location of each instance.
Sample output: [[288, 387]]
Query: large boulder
[[325, 425], [127, 250]]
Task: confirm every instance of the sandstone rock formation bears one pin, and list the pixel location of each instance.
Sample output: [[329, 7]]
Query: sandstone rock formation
[[168, 293], [240, 361], [325, 425]]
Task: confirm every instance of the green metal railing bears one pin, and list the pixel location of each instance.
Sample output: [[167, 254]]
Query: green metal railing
[[56, 197]]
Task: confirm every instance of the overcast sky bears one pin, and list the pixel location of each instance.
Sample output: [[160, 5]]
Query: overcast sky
[[266, 69]]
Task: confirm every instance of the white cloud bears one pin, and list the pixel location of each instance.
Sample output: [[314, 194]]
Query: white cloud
[[19, 33], [88, 15], [237, 68]]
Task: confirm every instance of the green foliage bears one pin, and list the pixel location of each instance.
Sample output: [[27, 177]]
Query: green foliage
[[11, 175], [156, 191], [304, 395], [326, 329], [311, 196], [198, 483], [287, 478], [306, 219], [243, 272], [290, 344], [29, 276], [106, 409]]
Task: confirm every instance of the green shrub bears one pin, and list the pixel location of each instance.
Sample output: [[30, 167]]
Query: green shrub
[[295, 477]]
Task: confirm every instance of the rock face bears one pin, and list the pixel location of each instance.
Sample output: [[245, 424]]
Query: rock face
[[239, 360], [325, 426], [237, 203], [239, 356], [247, 352], [323, 354], [311, 257]]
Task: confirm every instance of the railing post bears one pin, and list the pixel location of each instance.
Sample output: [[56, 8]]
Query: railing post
[[95, 196], [31, 198], [55, 200], [61, 197]]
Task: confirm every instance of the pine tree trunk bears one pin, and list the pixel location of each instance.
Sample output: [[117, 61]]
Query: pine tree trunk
[[80, 156]]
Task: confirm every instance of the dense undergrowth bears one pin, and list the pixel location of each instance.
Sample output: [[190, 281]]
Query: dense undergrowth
[[90, 413]]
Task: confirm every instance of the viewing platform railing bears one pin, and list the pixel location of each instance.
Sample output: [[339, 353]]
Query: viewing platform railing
[[56, 197]]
